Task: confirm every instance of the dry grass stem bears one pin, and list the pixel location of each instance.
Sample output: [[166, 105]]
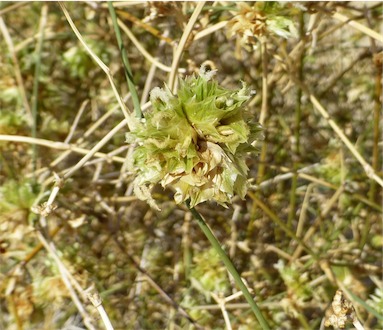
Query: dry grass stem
[[360, 27], [103, 67], [367, 167], [19, 77], [95, 149], [68, 280], [143, 51], [221, 303], [62, 146], [181, 45], [97, 303]]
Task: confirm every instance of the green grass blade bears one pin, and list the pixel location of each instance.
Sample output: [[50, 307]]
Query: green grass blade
[[366, 306], [37, 73], [125, 60], [229, 266]]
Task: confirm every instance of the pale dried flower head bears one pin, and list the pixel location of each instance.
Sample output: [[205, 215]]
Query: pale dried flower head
[[340, 312], [248, 24], [252, 23]]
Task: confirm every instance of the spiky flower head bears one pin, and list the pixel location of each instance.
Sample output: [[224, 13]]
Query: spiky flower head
[[195, 142], [254, 22]]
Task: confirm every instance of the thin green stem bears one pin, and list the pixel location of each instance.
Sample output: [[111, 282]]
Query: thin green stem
[[186, 243], [296, 146], [229, 266], [125, 60], [262, 118], [35, 92]]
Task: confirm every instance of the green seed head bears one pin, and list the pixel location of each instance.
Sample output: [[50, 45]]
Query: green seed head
[[195, 141]]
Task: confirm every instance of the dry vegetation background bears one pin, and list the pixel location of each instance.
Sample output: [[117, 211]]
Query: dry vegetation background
[[311, 221]]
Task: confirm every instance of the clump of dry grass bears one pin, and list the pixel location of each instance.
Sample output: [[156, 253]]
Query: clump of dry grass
[[310, 224]]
